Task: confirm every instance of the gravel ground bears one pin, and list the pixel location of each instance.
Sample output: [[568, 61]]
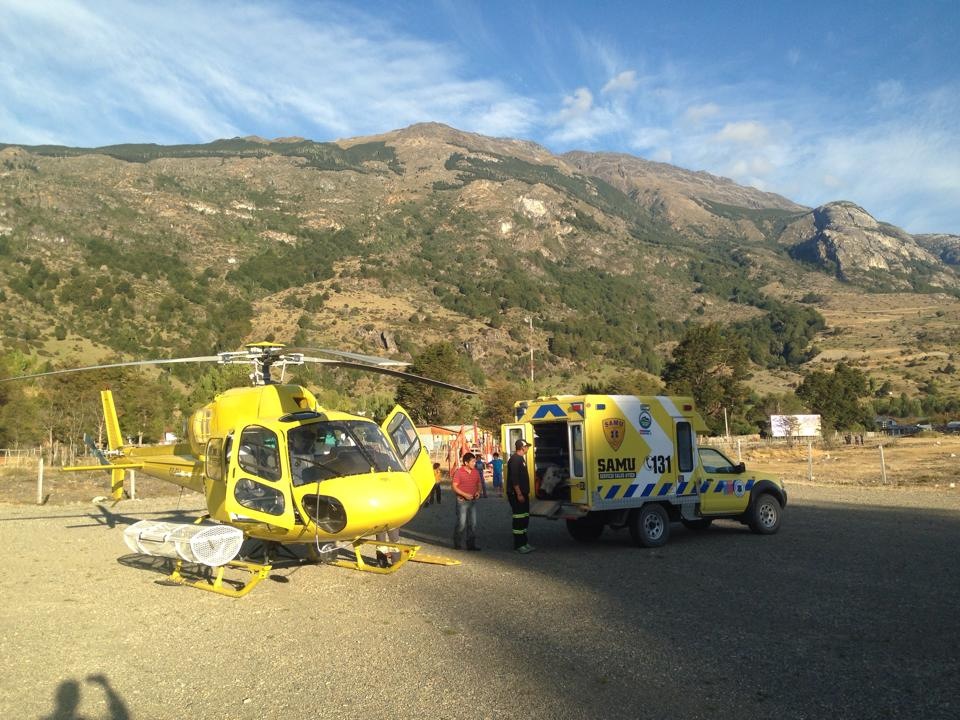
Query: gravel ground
[[849, 612]]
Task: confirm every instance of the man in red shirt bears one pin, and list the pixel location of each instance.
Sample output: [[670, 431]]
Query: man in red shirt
[[466, 485]]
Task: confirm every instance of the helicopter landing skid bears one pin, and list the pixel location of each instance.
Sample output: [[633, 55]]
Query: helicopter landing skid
[[215, 582], [435, 560], [406, 552]]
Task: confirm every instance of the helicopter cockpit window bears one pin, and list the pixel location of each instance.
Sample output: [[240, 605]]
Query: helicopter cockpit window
[[329, 448], [258, 454], [405, 438], [213, 464]]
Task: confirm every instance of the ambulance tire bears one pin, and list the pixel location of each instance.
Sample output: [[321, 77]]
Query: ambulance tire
[[586, 529], [764, 514], [649, 526], [697, 523]]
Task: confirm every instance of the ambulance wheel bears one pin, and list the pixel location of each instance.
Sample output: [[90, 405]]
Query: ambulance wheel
[[697, 523], [764, 515], [649, 526], [585, 529]]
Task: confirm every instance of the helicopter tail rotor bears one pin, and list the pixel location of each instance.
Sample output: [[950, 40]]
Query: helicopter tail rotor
[[116, 474]]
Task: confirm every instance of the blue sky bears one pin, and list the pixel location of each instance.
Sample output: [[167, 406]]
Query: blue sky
[[817, 101]]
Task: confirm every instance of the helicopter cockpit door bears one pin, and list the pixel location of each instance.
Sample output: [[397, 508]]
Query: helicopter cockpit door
[[257, 490], [413, 454]]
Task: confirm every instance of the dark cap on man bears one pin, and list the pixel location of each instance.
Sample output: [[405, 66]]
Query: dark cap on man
[[521, 444]]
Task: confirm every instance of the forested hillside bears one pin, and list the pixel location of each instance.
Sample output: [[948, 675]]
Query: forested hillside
[[392, 244]]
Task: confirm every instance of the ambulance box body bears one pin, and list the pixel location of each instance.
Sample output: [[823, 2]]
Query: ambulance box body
[[633, 461]]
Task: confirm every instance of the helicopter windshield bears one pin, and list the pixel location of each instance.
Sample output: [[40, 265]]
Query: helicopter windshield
[[334, 448]]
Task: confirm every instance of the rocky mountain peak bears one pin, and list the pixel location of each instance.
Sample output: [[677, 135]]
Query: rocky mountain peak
[[844, 238], [843, 214]]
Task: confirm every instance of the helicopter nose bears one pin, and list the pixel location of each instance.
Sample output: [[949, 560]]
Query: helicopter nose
[[358, 505]]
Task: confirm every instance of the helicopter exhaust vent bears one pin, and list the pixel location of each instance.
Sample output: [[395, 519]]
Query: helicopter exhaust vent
[[212, 545]]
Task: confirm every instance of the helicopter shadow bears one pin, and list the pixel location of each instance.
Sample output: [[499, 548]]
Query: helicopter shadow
[[110, 519]]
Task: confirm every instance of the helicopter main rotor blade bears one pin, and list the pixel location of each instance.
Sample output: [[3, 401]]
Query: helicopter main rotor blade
[[371, 359], [132, 363], [389, 371]]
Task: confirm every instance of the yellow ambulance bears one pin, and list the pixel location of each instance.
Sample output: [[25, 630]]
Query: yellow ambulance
[[624, 461]]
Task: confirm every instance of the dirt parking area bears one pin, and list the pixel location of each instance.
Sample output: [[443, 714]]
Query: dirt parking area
[[851, 611]]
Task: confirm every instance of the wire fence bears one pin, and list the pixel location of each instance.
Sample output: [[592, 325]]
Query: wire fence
[[20, 457]]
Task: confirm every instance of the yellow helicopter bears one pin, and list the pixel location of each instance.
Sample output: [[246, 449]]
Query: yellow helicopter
[[277, 467]]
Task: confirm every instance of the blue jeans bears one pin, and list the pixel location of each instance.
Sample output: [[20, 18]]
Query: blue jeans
[[466, 520]]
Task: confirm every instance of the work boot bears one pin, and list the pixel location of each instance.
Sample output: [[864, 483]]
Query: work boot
[[472, 547]]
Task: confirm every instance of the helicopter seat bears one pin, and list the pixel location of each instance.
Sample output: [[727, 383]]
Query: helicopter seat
[[248, 456], [348, 460]]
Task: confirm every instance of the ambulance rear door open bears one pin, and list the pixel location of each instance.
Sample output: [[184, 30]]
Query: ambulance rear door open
[[565, 447], [578, 465], [508, 436]]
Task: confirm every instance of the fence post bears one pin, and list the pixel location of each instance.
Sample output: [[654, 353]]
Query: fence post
[[133, 484], [739, 455], [40, 481], [810, 460], [883, 466]]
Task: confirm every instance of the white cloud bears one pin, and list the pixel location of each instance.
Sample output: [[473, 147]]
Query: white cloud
[[624, 82], [698, 114], [647, 138], [577, 105], [752, 167], [507, 118], [184, 72], [747, 132], [902, 174]]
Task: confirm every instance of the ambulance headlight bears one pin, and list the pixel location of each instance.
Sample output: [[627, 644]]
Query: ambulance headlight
[[327, 512]]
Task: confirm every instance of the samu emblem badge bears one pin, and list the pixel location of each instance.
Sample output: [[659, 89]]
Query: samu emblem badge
[[613, 431]]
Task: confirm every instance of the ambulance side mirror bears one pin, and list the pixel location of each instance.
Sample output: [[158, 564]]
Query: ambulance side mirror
[[740, 468]]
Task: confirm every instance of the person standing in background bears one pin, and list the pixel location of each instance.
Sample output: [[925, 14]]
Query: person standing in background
[[481, 466], [466, 484], [497, 465], [434, 495], [518, 493]]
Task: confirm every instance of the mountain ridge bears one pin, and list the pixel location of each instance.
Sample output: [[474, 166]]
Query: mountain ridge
[[427, 231]]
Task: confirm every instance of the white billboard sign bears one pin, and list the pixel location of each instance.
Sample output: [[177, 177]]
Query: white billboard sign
[[795, 425]]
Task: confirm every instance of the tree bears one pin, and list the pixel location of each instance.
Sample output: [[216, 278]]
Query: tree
[[19, 422], [497, 404], [710, 365], [635, 383], [835, 396], [432, 405]]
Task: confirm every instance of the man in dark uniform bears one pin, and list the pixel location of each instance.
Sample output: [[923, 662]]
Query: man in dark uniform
[[518, 493]]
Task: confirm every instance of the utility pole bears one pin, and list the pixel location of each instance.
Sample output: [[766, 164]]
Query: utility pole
[[530, 320]]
